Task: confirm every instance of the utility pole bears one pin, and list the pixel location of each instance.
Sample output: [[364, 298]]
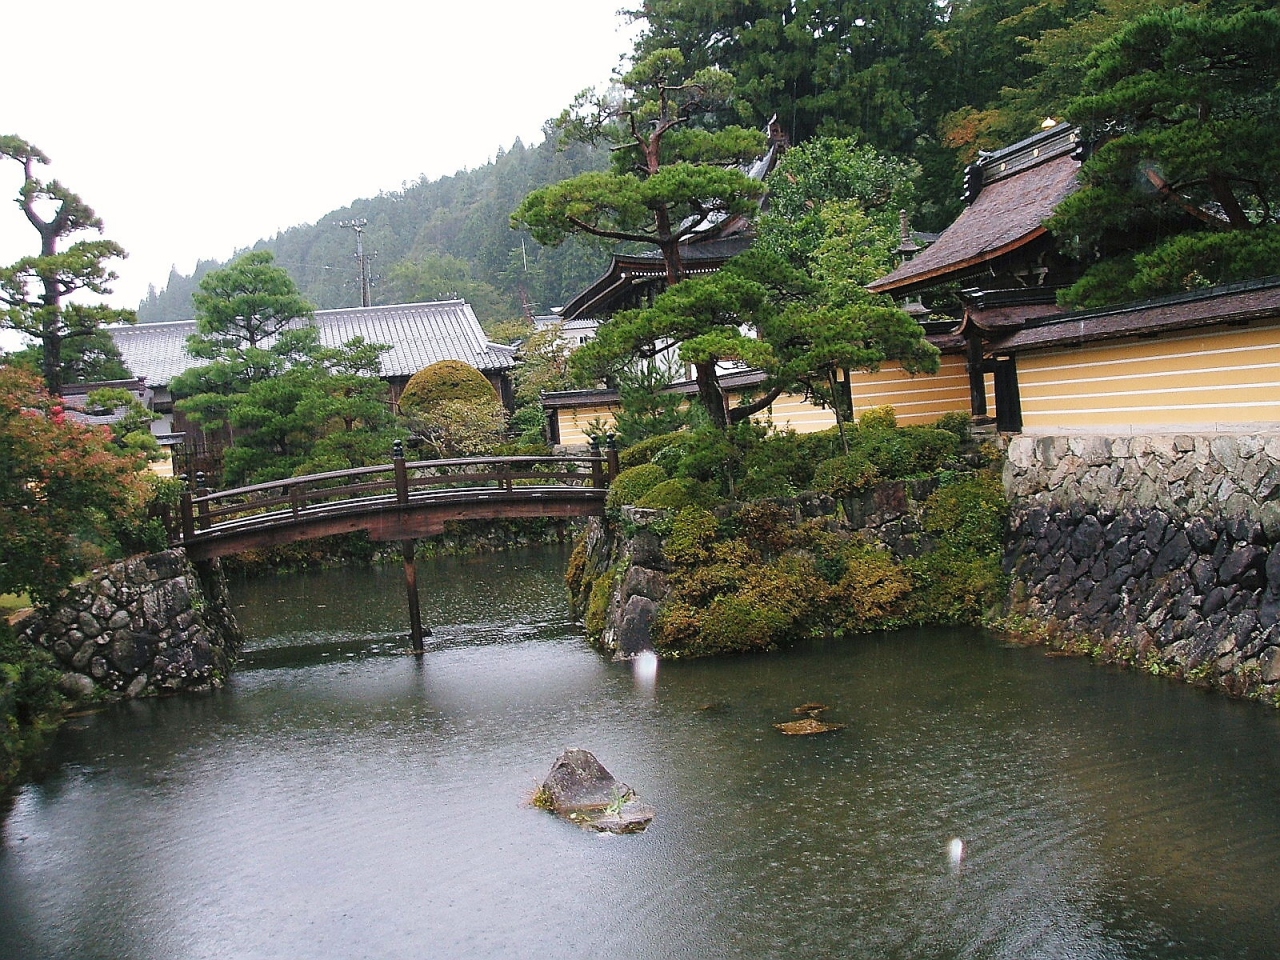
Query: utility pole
[[361, 258]]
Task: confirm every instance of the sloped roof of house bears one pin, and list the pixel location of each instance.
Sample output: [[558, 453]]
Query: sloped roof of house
[[1021, 186], [75, 399], [699, 256], [1236, 303], [419, 334]]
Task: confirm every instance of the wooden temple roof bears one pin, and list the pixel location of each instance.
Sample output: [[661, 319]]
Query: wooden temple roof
[[1021, 186]]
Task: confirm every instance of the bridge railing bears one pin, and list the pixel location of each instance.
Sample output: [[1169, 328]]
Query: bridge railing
[[400, 482]]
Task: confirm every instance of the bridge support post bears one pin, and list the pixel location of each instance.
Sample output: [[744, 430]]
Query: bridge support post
[[416, 632]]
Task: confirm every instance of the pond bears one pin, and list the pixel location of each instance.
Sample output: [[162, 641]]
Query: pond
[[343, 799]]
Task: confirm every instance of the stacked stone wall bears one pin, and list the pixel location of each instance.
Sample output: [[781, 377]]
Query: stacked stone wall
[[142, 627], [1163, 551]]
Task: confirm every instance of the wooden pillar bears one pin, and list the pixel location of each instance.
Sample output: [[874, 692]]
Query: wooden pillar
[[416, 633], [977, 386], [611, 455], [597, 472]]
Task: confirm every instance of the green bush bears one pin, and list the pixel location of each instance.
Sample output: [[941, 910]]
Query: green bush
[[907, 451], [676, 494], [647, 449], [958, 422], [632, 484], [446, 380], [953, 588], [30, 704], [843, 476], [693, 532], [969, 513], [878, 418]]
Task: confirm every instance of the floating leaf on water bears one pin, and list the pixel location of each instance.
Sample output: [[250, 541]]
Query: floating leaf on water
[[813, 709], [808, 725]]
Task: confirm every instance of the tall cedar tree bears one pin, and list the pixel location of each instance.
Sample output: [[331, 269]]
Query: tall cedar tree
[[34, 291]]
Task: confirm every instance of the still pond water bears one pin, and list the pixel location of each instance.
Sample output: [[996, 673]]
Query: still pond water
[[342, 800]]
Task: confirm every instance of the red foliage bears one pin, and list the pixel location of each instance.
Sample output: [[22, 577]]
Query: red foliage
[[62, 485]]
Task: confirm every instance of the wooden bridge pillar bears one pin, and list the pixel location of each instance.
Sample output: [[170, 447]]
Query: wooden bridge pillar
[[416, 632]]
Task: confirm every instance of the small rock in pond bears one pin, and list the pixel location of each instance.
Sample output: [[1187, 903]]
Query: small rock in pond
[[580, 789]]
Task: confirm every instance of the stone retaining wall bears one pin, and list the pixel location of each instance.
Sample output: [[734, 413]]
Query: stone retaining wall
[[142, 627], [1163, 551]]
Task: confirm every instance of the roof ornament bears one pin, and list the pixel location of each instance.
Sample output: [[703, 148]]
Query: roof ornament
[[907, 247]]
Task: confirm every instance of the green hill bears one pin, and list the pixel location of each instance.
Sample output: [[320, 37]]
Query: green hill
[[432, 240]]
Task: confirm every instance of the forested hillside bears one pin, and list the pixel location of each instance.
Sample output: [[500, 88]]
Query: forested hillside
[[933, 83], [432, 240]]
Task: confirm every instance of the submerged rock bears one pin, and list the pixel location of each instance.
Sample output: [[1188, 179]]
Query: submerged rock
[[580, 789]]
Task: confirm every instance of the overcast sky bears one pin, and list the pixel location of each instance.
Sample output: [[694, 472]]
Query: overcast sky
[[196, 129]]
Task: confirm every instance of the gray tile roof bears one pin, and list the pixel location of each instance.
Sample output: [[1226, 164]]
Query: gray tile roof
[[419, 334]]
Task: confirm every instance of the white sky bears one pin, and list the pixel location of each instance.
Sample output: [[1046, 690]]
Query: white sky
[[196, 129]]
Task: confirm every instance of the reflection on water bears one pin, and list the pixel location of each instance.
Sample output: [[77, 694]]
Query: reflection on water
[[342, 799]]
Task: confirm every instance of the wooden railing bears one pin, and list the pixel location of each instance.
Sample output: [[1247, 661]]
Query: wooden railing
[[208, 513]]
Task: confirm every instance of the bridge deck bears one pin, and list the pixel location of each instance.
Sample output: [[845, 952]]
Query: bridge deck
[[397, 501]]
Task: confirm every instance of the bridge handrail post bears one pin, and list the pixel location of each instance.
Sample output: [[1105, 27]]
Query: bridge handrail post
[[202, 508], [597, 472], [188, 514], [402, 472], [504, 476], [295, 498], [611, 452]]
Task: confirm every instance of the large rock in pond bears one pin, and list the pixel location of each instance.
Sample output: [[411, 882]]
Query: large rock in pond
[[580, 789]]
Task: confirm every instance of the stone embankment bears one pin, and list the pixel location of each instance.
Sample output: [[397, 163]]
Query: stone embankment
[[141, 627], [629, 560], [1163, 551]]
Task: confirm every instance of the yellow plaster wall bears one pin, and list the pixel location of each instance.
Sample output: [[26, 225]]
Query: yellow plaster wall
[[1215, 377], [920, 399], [791, 411], [575, 421]]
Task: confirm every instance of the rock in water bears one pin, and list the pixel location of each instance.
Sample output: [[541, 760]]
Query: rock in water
[[580, 789]]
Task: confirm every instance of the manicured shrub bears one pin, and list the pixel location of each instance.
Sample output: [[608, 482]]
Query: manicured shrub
[[878, 418], [693, 532], [446, 380], [632, 484], [844, 476], [647, 449], [955, 421], [908, 451], [676, 494]]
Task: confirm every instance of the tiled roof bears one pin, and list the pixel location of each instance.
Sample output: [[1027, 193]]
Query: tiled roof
[[75, 399], [1233, 303], [419, 334], [1023, 184]]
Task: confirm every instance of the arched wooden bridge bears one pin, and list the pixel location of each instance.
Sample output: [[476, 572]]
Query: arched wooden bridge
[[397, 501]]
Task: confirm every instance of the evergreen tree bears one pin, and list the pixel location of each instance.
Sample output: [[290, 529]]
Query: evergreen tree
[[1181, 191], [671, 179], [34, 291]]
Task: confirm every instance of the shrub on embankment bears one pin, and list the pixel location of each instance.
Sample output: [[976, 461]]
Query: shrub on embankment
[[30, 704], [917, 540]]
